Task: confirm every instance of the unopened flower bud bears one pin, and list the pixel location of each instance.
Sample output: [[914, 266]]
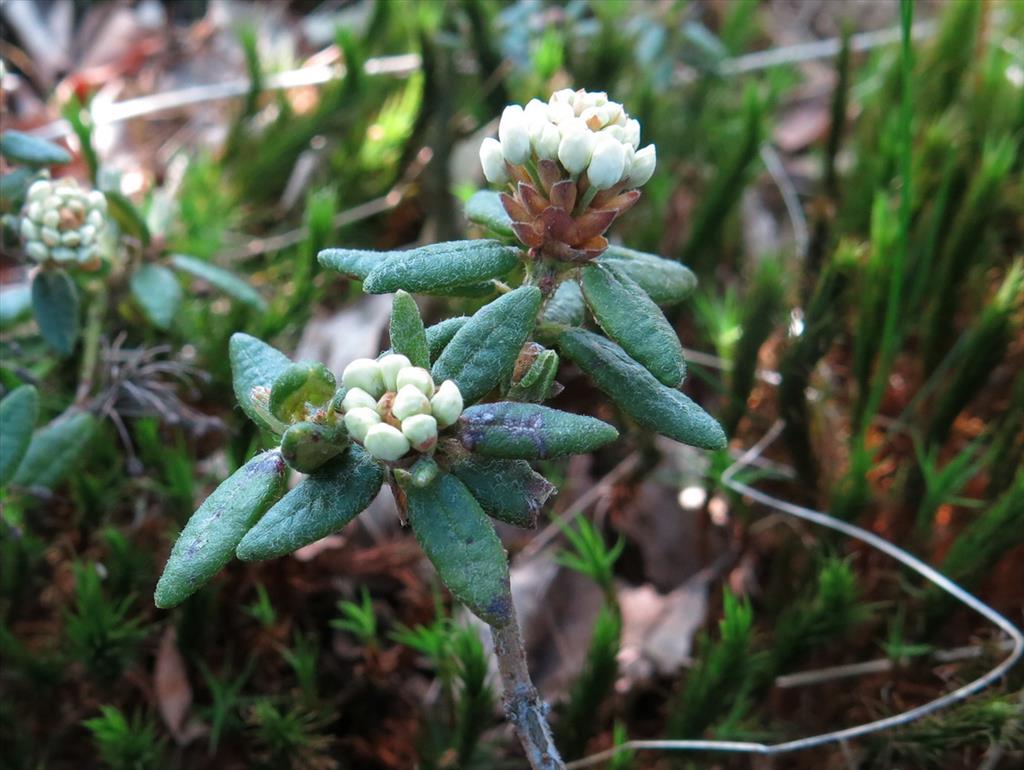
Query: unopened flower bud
[[607, 162], [417, 377], [390, 366], [643, 166], [365, 374], [493, 162], [357, 398], [576, 147], [446, 405], [386, 442], [39, 190], [421, 430], [545, 142], [359, 420], [409, 401], [513, 135]]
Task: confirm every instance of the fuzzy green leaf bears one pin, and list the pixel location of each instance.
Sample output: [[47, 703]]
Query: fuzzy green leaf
[[14, 187], [158, 293], [441, 333], [30, 150], [631, 318], [509, 490], [530, 431], [54, 451], [210, 537], [636, 391], [538, 382], [15, 305], [127, 216], [235, 286], [664, 280], [55, 304], [321, 504], [307, 383], [306, 446], [485, 208], [255, 364], [484, 351], [442, 266], [458, 538], [358, 263], [408, 336], [566, 306], [18, 412]]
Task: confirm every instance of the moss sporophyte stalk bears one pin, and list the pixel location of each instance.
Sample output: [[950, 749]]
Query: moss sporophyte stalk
[[451, 415]]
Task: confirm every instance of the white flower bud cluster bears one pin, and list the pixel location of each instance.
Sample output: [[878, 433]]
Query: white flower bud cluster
[[392, 406], [62, 222], [582, 130]]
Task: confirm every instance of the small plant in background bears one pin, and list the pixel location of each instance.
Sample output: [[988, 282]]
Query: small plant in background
[[420, 418], [125, 744]]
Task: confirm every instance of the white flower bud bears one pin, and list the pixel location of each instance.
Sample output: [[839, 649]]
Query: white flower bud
[[51, 218], [37, 251], [63, 254], [35, 211], [446, 405], [365, 374], [563, 96], [409, 401], [359, 420], [627, 166], [513, 135], [357, 398], [576, 147], [545, 142], [28, 230], [607, 162], [631, 132], [97, 201], [418, 377], [49, 236], [535, 112], [493, 162], [71, 238], [95, 218], [386, 442], [421, 430], [643, 166], [52, 201], [39, 190], [561, 112], [390, 366]]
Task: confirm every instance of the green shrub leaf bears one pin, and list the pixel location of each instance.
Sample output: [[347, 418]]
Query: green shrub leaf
[[30, 150], [458, 538], [55, 304], [509, 490], [442, 266], [321, 504], [18, 412], [566, 306], [440, 334], [255, 364], [307, 383], [484, 351], [530, 431], [664, 280], [14, 187], [637, 392], [408, 336], [210, 537], [127, 216], [538, 382], [485, 208], [158, 293], [54, 450], [306, 446], [232, 284], [631, 318]]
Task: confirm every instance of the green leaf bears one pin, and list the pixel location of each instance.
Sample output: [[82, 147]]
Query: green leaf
[[306, 446], [18, 412], [232, 284], [319, 505], [307, 383], [509, 490], [54, 450], [158, 293], [55, 304], [408, 336], [440, 334], [631, 318], [530, 431], [210, 537], [15, 305], [566, 306], [484, 351], [14, 187], [255, 364], [358, 263], [485, 209], [665, 280], [636, 391], [458, 538], [127, 216], [441, 267], [538, 382], [30, 150]]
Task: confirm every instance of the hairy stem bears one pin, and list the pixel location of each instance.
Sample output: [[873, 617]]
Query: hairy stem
[[523, 706]]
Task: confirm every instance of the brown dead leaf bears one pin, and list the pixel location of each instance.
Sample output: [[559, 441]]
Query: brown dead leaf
[[173, 691]]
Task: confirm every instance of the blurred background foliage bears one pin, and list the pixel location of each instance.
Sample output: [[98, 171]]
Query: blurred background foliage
[[877, 313]]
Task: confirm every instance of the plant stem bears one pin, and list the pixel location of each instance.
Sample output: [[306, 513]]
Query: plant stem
[[90, 347], [523, 706]]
